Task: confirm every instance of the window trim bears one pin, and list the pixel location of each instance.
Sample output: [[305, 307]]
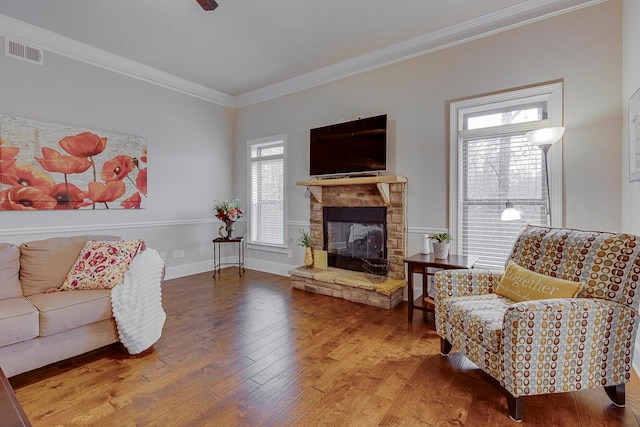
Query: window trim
[[260, 245], [552, 93]]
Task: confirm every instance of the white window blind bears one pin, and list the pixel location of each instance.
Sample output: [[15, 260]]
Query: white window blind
[[266, 211], [493, 171], [492, 164]]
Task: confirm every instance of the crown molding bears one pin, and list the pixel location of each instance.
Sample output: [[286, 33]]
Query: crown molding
[[503, 20], [70, 48]]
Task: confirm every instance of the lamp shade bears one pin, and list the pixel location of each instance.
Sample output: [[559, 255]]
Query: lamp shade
[[510, 214], [545, 136]]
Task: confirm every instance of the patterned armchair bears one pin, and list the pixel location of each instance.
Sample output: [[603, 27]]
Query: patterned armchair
[[552, 345]]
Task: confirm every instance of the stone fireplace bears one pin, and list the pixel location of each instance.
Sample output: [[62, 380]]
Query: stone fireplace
[[354, 218], [364, 192]]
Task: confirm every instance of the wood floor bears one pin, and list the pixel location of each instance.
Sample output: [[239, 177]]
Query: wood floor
[[251, 352]]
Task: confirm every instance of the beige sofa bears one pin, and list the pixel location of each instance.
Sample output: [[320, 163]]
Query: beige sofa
[[37, 329]]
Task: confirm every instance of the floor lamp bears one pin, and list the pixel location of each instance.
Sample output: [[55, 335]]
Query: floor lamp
[[543, 139]]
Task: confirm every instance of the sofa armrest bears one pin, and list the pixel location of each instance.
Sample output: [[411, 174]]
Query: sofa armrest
[[454, 283], [567, 344]]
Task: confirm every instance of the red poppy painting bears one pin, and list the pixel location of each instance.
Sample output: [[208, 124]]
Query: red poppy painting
[[47, 166]]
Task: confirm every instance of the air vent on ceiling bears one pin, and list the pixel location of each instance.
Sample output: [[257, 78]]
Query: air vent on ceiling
[[22, 51]]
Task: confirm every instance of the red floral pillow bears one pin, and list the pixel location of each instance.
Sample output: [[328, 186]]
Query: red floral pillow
[[102, 264]]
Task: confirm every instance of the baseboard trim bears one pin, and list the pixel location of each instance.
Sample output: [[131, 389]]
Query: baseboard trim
[[183, 270], [280, 269], [277, 268]]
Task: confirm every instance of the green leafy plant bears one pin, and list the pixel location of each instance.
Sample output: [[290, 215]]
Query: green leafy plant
[[441, 237], [304, 239]]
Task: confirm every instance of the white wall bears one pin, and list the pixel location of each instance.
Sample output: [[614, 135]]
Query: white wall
[[630, 83], [583, 48], [189, 145]]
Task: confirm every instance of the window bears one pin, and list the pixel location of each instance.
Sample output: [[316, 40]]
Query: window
[[492, 163], [266, 190]]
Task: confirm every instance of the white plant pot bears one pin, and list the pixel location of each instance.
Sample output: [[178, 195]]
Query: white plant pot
[[441, 250]]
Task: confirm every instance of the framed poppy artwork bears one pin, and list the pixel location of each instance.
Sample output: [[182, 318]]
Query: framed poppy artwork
[[47, 166]]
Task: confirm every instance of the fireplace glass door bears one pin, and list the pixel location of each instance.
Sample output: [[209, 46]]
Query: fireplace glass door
[[352, 234]]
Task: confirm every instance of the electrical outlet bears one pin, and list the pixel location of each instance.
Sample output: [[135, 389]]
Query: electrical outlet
[[163, 255], [290, 253], [181, 253], [176, 254]]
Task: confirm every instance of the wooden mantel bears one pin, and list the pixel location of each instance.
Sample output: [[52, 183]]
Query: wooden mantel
[[382, 182]]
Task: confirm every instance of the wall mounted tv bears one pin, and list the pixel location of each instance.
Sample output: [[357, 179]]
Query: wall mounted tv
[[351, 147]]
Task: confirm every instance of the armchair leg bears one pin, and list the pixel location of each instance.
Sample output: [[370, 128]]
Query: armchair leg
[[445, 346], [516, 407], [616, 394]]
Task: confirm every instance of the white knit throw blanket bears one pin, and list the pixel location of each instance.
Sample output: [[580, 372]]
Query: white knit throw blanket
[[137, 302]]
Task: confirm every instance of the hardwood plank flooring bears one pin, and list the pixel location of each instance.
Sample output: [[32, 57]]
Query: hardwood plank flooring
[[251, 351]]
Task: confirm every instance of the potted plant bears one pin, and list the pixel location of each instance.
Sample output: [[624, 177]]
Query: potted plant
[[305, 241], [441, 244]]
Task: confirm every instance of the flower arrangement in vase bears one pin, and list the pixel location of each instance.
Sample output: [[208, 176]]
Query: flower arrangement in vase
[[228, 212]]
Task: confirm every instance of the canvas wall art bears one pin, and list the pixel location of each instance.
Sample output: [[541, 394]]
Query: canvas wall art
[[51, 166]]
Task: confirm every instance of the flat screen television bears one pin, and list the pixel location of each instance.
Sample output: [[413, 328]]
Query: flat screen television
[[351, 147]]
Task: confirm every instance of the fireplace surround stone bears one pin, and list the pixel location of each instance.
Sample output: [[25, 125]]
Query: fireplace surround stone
[[387, 191]]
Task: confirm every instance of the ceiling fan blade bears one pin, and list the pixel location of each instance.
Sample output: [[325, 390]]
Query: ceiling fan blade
[[208, 4]]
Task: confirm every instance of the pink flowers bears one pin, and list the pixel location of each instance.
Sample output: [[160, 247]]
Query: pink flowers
[[230, 210]]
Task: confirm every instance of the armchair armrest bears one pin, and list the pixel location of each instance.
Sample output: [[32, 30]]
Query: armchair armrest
[[454, 283], [567, 344]]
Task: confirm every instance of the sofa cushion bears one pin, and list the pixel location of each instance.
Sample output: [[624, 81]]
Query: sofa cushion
[[479, 317], [521, 284], [9, 271], [45, 263], [101, 264], [62, 311], [18, 321]]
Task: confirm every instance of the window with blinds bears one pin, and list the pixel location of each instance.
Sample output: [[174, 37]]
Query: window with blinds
[[492, 164], [266, 188], [493, 171]]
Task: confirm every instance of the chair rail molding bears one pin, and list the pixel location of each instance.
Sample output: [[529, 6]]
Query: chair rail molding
[[101, 227]]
